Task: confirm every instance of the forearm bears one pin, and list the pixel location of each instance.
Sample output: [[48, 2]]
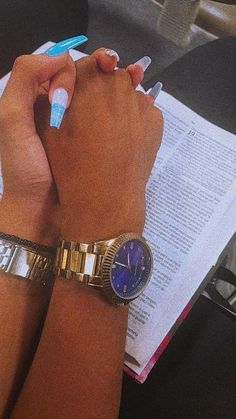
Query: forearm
[[78, 366], [21, 313], [23, 304], [77, 370]]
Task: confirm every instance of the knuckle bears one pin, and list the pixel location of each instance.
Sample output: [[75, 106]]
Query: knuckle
[[2, 117], [21, 62], [123, 75], [141, 96], [86, 64], [70, 62], [156, 113], [6, 118], [9, 116], [122, 72], [98, 51], [159, 115]]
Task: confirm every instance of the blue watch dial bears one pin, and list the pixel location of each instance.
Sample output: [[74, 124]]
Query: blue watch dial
[[131, 269]]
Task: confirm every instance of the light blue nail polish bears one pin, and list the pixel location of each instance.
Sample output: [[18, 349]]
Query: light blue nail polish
[[154, 92], [65, 45], [58, 106], [57, 113]]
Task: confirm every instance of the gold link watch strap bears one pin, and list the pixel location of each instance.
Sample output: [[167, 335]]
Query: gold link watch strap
[[81, 262]]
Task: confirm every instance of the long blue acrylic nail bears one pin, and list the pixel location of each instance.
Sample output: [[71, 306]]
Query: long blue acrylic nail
[[65, 45]]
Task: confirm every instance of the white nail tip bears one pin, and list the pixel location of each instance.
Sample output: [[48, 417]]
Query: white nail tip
[[60, 96], [112, 53], [144, 62]]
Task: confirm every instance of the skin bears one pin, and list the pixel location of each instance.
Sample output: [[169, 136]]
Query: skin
[[100, 167], [99, 164], [59, 380], [29, 208]]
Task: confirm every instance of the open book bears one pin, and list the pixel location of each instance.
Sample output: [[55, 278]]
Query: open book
[[191, 215]]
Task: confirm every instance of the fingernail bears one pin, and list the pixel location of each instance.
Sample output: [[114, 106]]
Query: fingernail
[[58, 107], [144, 62], [112, 53], [65, 45], [154, 92]]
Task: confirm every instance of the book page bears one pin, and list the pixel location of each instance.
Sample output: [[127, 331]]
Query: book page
[[191, 189]]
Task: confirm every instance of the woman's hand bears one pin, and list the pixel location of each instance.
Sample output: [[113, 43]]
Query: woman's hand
[[103, 154], [29, 204], [100, 159], [29, 197], [30, 207]]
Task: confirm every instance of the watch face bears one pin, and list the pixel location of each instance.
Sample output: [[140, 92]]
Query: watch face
[[131, 269]]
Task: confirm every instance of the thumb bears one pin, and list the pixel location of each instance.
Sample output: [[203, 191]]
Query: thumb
[[23, 88]]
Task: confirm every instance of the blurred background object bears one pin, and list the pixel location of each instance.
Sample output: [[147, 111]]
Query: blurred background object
[[178, 20], [217, 18], [163, 29], [140, 27]]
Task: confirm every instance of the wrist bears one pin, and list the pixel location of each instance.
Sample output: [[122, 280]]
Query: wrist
[[29, 220], [91, 225]]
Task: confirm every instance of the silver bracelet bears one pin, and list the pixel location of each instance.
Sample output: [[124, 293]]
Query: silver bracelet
[[24, 262]]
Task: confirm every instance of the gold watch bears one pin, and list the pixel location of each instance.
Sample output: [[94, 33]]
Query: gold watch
[[121, 267]]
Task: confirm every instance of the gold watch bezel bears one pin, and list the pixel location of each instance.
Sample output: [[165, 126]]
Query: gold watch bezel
[[107, 267]]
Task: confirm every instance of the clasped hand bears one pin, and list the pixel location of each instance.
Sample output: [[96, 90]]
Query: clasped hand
[[83, 182], [87, 179]]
